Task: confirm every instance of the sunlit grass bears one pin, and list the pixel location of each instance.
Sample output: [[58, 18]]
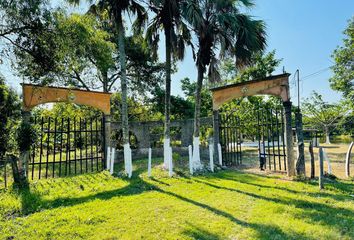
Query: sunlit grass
[[223, 205]]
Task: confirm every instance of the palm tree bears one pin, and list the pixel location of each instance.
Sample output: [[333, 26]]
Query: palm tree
[[220, 25], [168, 17], [116, 9]]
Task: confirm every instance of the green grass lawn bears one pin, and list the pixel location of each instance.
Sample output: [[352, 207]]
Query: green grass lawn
[[224, 205]]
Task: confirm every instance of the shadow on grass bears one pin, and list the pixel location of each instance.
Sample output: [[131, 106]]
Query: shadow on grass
[[344, 189], [313, 211], [196, 232]]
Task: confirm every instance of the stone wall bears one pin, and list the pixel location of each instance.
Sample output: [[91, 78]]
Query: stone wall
[[144, 133]]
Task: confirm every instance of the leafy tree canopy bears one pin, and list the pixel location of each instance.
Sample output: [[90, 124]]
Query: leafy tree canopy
[[321, 115], [261, 65], [343, 69]]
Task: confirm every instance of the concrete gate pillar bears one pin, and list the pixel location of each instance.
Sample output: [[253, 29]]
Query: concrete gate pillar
[[300, 161], [24, 156], [216, 125], [288, 139], [107, 136]]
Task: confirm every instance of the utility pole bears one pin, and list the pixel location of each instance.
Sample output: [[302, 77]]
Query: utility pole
[[298, 88], [300, 163]]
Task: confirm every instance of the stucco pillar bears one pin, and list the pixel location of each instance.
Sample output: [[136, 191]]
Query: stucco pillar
[[25, 156], [187, 133], [216, 137], [107, 137], [288, 139], [143, 135], [300, 161]]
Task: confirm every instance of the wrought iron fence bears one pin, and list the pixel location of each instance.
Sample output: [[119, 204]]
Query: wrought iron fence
[[5, 173], [67, 146]]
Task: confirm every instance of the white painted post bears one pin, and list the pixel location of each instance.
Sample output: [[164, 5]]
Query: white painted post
[[220, 155], [329, 167], [130, 163], [347, 160], [190, 151], [170, 165], [112, 160], [128, 159], [211, 157], [108, 158], [166, 149], [197, 165], [149, 163]]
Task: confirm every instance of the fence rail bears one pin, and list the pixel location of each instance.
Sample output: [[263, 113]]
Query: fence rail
[[67, 146], [5, 173]]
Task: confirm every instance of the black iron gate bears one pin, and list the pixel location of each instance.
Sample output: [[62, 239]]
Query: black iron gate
[[230, 139], [66, 147], [271, 135], [262, 132]]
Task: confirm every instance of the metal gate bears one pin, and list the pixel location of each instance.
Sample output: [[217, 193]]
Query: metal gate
[[230, 139], [271, 135], [67, 147], [263, 132]]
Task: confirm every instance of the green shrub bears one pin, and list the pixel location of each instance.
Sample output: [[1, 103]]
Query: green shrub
[[26, 136]]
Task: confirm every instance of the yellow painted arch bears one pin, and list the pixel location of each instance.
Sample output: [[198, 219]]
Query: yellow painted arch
[[34, 95], [274, 85]]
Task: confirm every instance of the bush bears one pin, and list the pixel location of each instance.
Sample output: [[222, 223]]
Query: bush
[[9, 115], [26, 136]]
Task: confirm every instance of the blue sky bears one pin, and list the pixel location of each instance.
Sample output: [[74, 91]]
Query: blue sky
[[304, 33]]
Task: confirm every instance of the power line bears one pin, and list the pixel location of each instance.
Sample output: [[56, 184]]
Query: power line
[[316, 73]]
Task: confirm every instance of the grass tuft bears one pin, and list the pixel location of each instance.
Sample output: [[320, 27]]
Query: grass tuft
[[228, 204]]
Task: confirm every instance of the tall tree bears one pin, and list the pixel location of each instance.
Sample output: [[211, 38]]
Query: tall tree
[[116, 10], [168, 17], [343, 69], [322, 115], [219, 24]]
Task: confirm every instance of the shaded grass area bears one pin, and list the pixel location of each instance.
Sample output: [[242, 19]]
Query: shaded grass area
[[224, 205]]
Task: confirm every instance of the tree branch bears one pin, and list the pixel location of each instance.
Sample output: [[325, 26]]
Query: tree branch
[[77, 77]]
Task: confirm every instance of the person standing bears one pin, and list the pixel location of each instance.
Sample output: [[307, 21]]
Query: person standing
[[262, 156]]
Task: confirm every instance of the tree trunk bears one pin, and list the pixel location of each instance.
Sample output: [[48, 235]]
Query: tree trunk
[[125, 124], [196, 141], [327, 136], [167, 83], [166, 144], [105, 81], [198, 101], [122, 58]]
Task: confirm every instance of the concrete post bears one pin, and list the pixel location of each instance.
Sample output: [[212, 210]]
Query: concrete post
[[320, 175], [288, 139], [24, 156], [187, 133], [300, 161], [107, 137], [312, 161], [143, 135], [216, 140]]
